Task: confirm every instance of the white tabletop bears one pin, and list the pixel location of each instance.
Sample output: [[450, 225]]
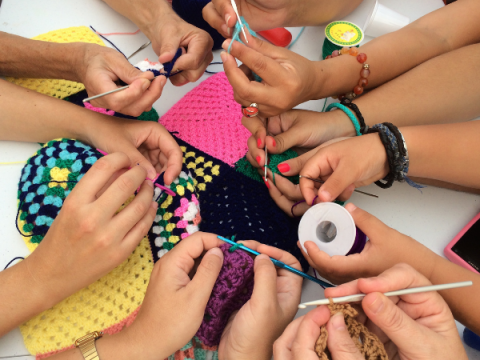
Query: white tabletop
[[433, 216]]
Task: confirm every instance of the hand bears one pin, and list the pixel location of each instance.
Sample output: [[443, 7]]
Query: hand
[[170, 32], [288, 78], [174, 304], [385, 248], [414, 326], [100, 67], [250, 332], [146, 143], [260, 15], [359, 161], [88, 238]]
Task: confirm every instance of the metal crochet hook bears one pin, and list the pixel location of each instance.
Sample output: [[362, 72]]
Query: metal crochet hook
[[277, 263], [359, 297], [234, 5], [140, 49], [323, 182]]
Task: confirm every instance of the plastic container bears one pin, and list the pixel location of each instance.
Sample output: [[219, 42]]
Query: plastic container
[[384, 20]]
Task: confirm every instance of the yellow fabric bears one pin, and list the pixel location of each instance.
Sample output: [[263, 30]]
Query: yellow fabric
[[198, 165], [54, 87]]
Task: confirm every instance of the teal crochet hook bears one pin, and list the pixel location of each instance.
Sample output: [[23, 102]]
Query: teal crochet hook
[[278, 263]]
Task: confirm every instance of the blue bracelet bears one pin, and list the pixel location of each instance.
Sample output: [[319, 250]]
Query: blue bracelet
[[349, 113]]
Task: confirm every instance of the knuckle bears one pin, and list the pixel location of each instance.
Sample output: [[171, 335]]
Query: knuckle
[[139, 209], [394, 320], [88, 224], [259, 64], [102, 164], [103, 241], [346, 347], [244, 92], [210, 263], [125, 184]]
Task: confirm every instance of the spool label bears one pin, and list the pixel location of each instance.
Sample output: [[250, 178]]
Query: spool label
[[344, 33]]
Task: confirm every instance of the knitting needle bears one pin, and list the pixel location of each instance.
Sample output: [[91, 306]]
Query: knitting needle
[[140, 49], [323, 182], [234, 5], [278, 263], [359, 297]]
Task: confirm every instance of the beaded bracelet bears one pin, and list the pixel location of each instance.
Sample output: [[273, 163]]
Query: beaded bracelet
[[348, 103], [364, 73], [349, 113]]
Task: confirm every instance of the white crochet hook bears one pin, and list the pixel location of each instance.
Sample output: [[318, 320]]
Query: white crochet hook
[[359, 297], [234, 5]]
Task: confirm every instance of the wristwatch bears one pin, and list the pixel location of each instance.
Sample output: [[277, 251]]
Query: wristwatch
[[86, 344]]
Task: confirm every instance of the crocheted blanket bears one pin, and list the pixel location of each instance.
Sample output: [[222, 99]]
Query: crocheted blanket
[[211, 195]]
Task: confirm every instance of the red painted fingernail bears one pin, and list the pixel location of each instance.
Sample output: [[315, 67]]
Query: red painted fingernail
[[266, 183], [258, 159], [274, 142], [259, 142], [283, 167]]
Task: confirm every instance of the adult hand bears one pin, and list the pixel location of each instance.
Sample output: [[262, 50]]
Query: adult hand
[[174, 304], [146, 143], [88, 238], [99, 68], [385, 248], [250, 332], [288, 79]]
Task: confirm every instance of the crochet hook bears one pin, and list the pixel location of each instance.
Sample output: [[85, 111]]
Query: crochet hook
[[359, 297], [234, 5], [323, 182], [266, 153], [278, 263], [140, 49]]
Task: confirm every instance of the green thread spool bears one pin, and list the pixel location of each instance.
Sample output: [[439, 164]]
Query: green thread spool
[[339, 34]]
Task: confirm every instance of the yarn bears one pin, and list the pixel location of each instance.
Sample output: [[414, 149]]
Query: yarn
[[12, 162], [118, 33], [237, 30], [367, 343], [111, 43], [11, 261], [233, 288]]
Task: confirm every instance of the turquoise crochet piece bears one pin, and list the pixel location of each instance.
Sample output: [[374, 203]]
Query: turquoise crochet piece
[[349, 113]]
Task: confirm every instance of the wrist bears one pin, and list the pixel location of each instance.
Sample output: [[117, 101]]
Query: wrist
[[342, 124], [150, 21]]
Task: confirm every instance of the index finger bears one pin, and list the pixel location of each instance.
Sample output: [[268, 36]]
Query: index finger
[[273, 252], [169, 147]]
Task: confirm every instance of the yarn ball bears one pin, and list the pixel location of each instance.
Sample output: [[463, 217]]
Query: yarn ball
[[233, 288], [191, 12]]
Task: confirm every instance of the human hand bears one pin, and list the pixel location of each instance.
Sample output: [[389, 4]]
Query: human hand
[[250, 332], [359, 161], [413, 326], [99, 68], [174, 304], [259, 14], [385, 248], [288, 79], [88, 238], [168, 33], [146, 143]]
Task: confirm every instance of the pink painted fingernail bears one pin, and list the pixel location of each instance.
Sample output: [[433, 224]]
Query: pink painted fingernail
[[227, 17], [150, 183], [266, 183], [274, 142], [283, 167], [259, 142], [258, 158]]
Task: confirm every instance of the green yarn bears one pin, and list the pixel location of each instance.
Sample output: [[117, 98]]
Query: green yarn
[[28, 228], [151, 115], [329, 47], [73, 176], [23, 215], [64, 164], [56, 191], [244, 167], [36, 239], [168, 245], [46, 175]]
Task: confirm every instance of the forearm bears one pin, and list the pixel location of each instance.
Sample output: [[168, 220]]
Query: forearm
[[315, 12], [22, 57], [391, 55]]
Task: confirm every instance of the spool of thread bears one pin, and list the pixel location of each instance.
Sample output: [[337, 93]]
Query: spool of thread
[[339, 34], [332, 229]]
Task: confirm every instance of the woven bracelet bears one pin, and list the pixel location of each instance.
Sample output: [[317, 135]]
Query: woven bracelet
[[348, 103], [349, 113]]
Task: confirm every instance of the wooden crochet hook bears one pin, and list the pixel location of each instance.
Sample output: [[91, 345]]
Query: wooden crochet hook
[[359, 297]]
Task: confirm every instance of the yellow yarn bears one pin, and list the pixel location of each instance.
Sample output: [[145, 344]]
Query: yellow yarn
[[174, 239], [59, 175], [180, 190], [54, 87]]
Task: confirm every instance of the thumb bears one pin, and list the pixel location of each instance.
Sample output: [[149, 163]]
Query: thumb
[[136, 158], [265, 280], [339, 341], [369, 224], [169, 47], [206, 275], [129, 73], [340, 179], [397, 325]]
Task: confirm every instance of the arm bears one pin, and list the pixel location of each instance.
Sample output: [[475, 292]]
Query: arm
[[168, 32]]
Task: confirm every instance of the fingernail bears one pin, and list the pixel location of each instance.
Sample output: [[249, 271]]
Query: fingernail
[[224, 28], [149, 183], [266, 183], [283, 167], [377, 305], [338, 321], [154, 205], [258, 158], [152, 175], [226, 43], [215, 251], [350, 207], [274, 143], [325, 195], [262, 257], [259, 142], [145, 85], [227, 17], [223, 55], [228, 31]]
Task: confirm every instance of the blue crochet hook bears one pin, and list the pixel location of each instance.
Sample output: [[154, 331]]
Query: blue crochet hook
[[277, 263]]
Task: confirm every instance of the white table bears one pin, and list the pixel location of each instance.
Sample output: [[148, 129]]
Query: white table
[[433, 217]]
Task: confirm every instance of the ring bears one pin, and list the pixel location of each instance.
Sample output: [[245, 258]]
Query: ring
[[250, 111]]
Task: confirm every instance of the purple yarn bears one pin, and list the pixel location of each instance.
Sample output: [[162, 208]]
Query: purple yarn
[[359, 244], [231, 291]]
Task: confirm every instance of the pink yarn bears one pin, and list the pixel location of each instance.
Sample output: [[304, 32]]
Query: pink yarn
[[209, 119], [183, 207], [98, 109]]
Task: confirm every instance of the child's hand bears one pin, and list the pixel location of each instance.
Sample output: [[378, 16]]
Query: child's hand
[[100, 67], [414, 326], [344, 165], [146, 143], [88, 238], [288, 78], [174, 304], [251, 332], [299, 129], [385, 248]]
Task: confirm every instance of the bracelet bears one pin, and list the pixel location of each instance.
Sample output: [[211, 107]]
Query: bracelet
[[349, 113], [364, 73], [348, 103]]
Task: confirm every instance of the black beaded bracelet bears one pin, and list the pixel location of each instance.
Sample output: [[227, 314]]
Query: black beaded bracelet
[[348, 103]]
